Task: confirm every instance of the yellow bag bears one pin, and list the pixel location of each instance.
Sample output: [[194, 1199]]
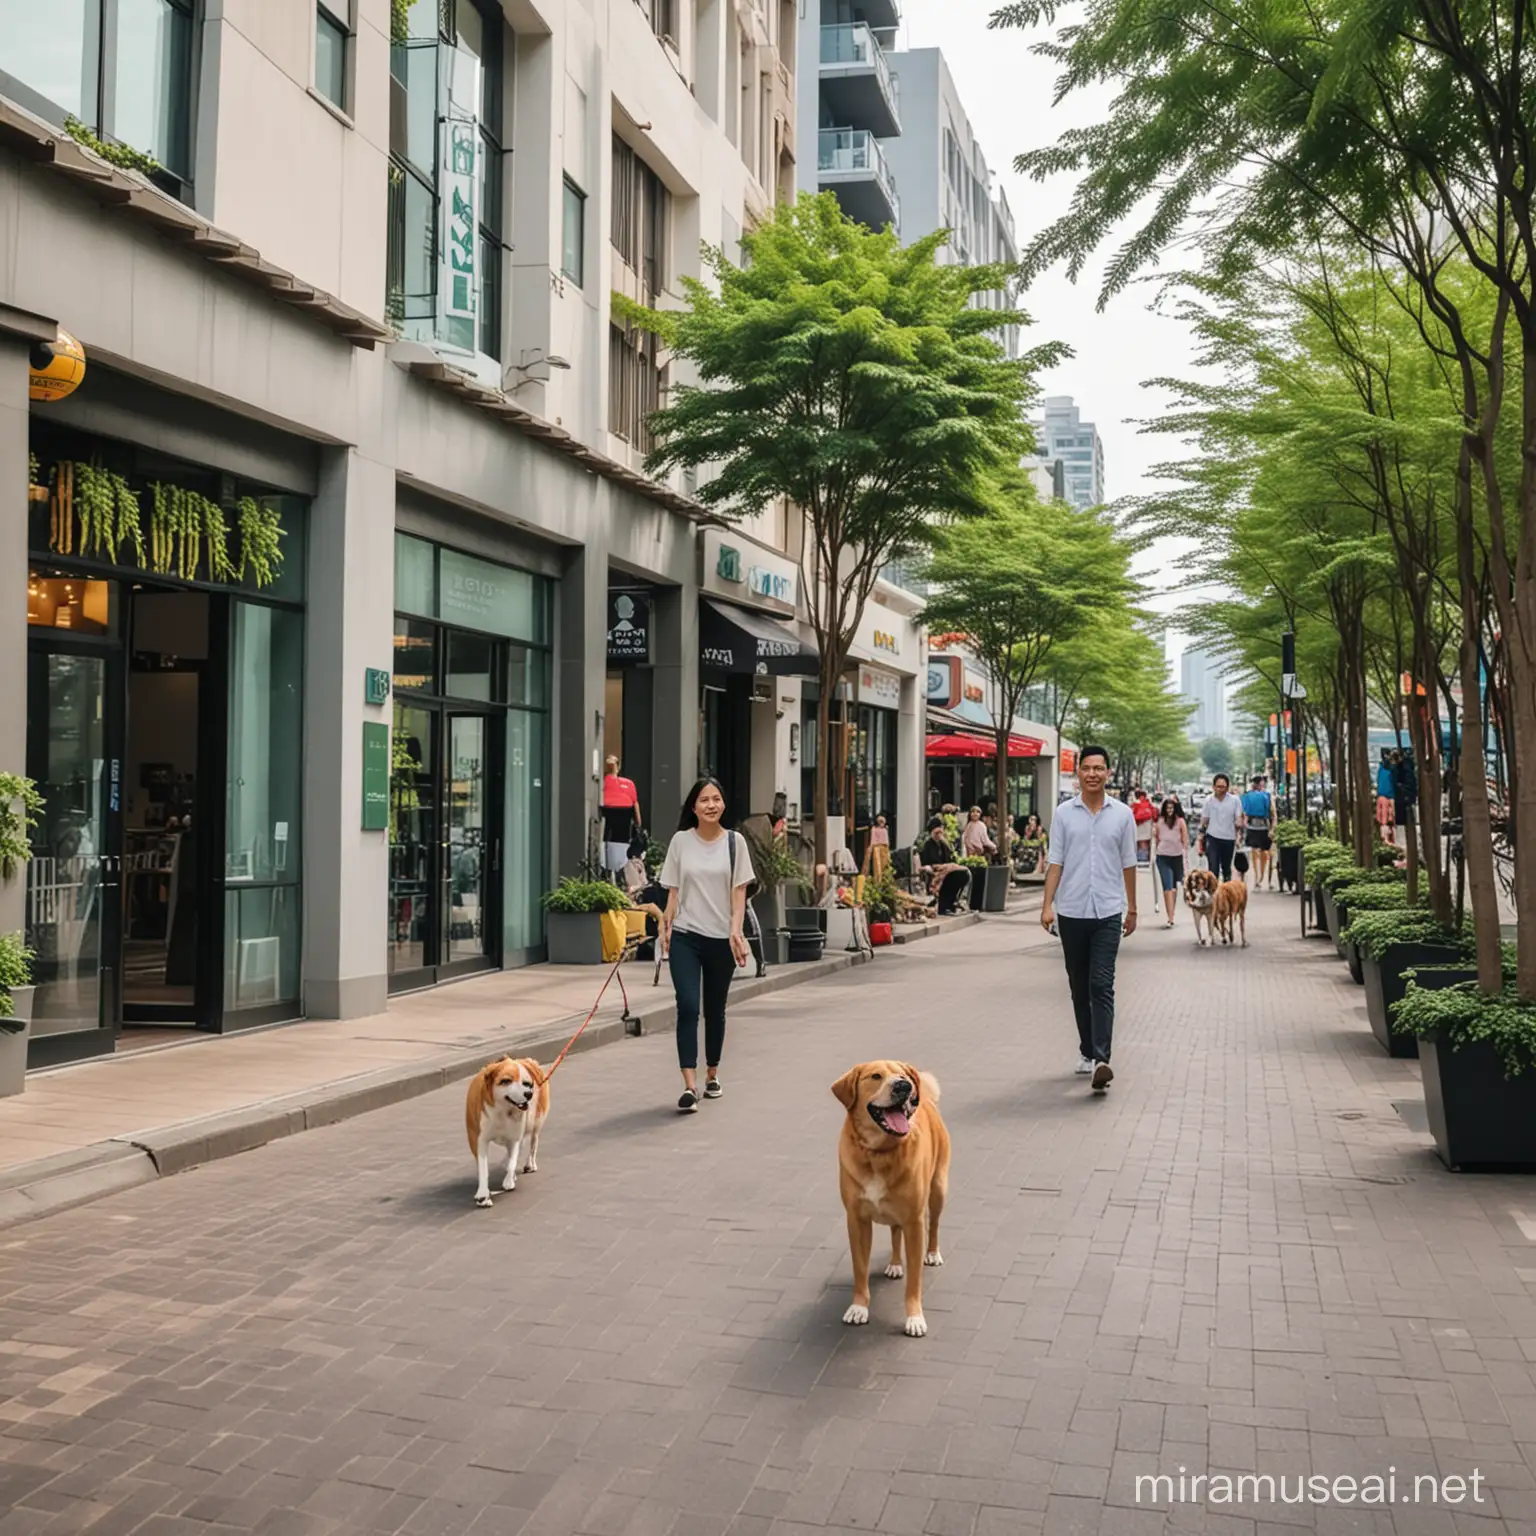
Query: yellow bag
[[615, 926]]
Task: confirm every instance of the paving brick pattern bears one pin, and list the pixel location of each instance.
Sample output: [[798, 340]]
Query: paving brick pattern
[[1242, 1259]]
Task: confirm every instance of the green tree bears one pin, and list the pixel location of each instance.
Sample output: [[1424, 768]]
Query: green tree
[[855, 378], [1216, 753], [1019, 582], [1404, 127]]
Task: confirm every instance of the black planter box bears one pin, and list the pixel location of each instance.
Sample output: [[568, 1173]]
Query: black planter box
[[991, 886], [1385, 985], [1353, 958], [1332, 921], [1319, 914], [804, 947], [1290, 867], [1480, 1118], [575, 938]]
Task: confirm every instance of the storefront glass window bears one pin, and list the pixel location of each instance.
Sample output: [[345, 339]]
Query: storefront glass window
[[415, 575], [415, 656], [472, 667], [480, 595], [263, 805]]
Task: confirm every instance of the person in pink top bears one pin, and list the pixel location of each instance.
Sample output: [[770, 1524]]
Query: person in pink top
[[1170, 839], [620, 805], [976, 840]]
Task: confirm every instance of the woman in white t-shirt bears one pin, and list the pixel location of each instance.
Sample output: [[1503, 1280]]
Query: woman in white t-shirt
[[706, 873]]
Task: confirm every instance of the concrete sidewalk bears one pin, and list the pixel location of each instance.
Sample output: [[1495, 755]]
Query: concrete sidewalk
[[98, 1126]]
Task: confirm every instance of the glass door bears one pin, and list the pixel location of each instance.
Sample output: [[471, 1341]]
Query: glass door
[[73, 900], [413, 846], [471, 846]]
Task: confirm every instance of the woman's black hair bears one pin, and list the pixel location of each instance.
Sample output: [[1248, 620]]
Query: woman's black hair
[[689, 817], [1173, 820]]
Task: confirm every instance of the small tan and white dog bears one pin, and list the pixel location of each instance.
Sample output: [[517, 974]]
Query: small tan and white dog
[[507, 1104], [1230, 911], [1200, 887]]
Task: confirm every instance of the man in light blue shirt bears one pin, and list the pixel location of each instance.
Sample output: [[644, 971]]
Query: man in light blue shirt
[[1090, 899]]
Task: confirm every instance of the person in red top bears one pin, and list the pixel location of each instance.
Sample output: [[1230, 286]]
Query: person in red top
[[1145, 813], [621, 817]]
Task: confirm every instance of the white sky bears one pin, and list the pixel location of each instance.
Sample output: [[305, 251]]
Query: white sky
[[1007, 95]]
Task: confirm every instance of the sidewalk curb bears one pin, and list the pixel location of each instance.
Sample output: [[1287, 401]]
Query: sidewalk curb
[[39, 1188]]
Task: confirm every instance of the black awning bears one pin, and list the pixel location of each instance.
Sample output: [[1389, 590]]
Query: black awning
[[739, 640]]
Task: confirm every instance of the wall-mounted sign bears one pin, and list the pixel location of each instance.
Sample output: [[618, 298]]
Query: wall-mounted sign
[[877, 687], [748, 573], [973, 692], [1069, 759], [629, 627], [461, 233], [771, 584], [375, 685], [887, 642], [375, 776], [944, 681]]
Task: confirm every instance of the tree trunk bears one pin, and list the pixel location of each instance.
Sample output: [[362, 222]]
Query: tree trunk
[[1476, 823], [823, 778], [1002, 792]]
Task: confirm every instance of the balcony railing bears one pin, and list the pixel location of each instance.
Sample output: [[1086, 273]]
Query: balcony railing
[[857, 149], [854, 43]]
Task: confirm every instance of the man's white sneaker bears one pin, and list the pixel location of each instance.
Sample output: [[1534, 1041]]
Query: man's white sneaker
[[1084, 1066]]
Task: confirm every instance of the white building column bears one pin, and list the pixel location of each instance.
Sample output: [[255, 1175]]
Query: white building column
[[912, 760], [349, 607]]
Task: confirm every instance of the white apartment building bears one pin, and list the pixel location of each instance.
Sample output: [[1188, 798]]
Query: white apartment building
[[1061, 434], [355, 314]]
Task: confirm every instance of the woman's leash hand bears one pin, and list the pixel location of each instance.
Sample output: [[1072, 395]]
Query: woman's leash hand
[[739, 950]]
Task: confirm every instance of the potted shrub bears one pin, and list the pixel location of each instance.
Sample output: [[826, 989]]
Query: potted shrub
[[880, 907], [780, 882], [1477, 1055], [1290, 836], [978, 866], [1391, 944], [1351, 878], [15, 1012], [1364, 897], [585, 921], [1318, 860]]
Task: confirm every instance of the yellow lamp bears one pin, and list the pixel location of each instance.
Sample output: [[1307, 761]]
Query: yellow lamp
[[57, 368]]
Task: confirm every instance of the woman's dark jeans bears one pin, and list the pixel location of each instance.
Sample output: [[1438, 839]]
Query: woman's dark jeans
[[1218, 855], [1170, 870], [701, 968]]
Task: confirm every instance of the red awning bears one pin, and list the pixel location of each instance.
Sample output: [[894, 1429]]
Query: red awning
[[981, 747]]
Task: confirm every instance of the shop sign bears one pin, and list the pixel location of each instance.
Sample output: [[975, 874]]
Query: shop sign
[[375, 776], [745, 572], [375, 685], [879, 686], [974, 693], [1069, 759], [885, 641], [629, 626], [460, 227], [943, 673], [770, 584]]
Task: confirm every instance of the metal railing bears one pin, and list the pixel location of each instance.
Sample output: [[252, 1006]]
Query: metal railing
[[854, 43], [857, 149]]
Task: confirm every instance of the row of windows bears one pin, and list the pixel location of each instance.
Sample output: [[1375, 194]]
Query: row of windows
[[635, 385]]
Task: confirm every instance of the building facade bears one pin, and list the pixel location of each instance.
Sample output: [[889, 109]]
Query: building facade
[[1203, 682], [1062, 435], [314, 589], [850, 107]]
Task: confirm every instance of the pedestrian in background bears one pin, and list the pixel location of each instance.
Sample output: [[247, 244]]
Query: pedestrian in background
[[1221, 820], [1172, 844], [1145, 813], [1090, 901], [1259, 820], [620, 804], [706, 874]]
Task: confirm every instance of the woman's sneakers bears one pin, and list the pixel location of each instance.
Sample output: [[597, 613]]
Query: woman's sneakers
[[712, 1088], [688, 1103]]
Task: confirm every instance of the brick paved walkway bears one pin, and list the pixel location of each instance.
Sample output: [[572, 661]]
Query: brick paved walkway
[[1242, 1259]]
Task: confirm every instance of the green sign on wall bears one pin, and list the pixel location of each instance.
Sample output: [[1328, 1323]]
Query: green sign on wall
[[375, 776], [375, 685]]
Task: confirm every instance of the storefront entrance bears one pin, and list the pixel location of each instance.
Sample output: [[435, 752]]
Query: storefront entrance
[[445, 911], [163, 735]]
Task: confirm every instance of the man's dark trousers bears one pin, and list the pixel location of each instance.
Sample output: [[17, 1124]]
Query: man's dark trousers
[[1089, 946], [1218, 855]]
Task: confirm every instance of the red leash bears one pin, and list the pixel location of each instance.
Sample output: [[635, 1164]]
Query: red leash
[[593, 1013]]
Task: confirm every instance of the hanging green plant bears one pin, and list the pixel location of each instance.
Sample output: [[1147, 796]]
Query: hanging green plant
[[216, 532], [129, 530], [159, 526], [261, 536], [399, 20]]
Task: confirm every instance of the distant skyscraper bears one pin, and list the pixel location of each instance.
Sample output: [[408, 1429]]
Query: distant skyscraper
[[1064, 435], [1203, 682]]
